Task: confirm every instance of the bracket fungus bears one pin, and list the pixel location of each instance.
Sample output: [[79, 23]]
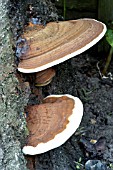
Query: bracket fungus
[[59, 41], [52, 123], [44, 77]]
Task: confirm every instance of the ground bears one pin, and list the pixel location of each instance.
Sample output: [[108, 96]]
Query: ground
[[80, 77]]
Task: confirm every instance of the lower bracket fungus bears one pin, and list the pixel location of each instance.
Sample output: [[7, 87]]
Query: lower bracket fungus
[[52, 123]]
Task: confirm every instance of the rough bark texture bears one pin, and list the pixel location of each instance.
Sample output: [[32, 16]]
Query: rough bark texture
[[12, 124], [12, 98]]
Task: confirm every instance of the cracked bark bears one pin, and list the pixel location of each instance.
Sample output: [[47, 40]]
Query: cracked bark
[[12, 101], [12, 98]]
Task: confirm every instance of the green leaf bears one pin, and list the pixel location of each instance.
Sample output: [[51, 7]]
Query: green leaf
[[109, 36]]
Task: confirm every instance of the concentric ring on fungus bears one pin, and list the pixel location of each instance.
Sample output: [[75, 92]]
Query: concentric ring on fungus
[[57, 42]]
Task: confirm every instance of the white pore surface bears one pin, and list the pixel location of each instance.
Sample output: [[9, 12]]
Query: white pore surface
[[87, 46], [61, 138]]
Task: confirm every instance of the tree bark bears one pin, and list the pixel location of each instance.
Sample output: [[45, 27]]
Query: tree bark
[[12, 101]]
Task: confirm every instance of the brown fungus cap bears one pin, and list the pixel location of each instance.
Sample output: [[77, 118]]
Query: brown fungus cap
[[58, 42], [51, 123], [44, 77]]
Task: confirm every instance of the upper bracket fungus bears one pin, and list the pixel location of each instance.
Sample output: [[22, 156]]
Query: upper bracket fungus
[[52, 123], [57, 42]]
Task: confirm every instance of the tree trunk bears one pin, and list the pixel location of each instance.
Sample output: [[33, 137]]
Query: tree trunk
[[13, 99], [12, 124]]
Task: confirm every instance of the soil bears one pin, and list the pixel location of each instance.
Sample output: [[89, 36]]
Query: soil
[[80, 77]]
